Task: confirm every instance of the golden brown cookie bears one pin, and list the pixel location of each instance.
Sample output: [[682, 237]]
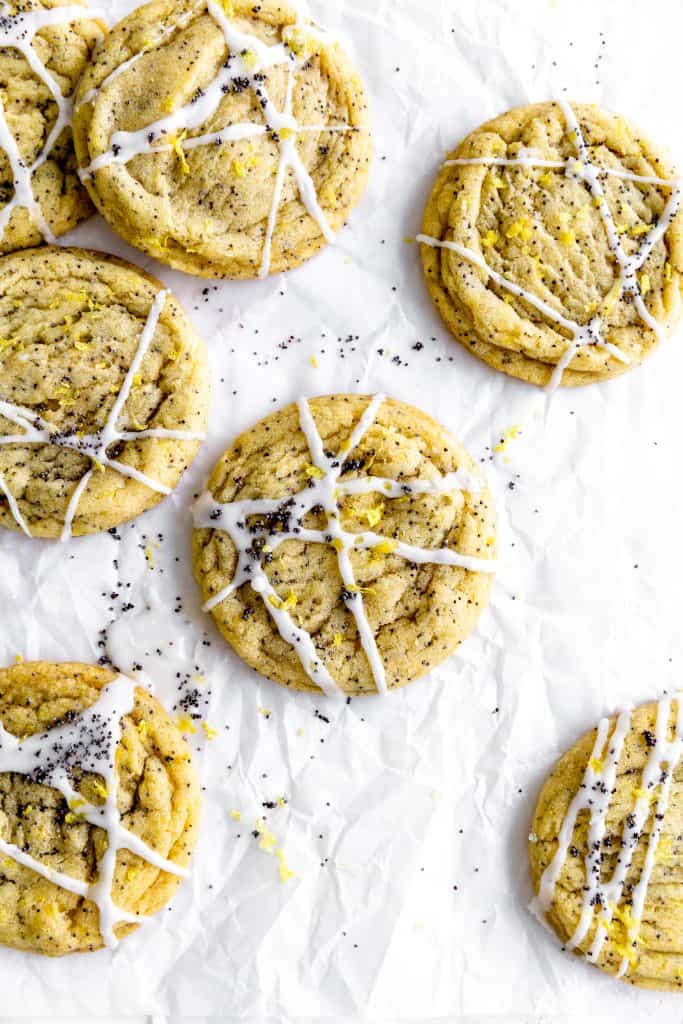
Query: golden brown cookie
[[345, 544], [226, 139], [44, 47], [553, 244], [104, 392], [99, 807], [606, 846]]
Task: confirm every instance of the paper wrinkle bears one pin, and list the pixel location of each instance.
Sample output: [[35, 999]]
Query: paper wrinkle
[[573, 630]]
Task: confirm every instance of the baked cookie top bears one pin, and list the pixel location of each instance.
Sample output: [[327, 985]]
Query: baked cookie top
[[99, 807], [225, 138], [345, 544], [103, 392], [553, 244], [44, 48], [606, 846]]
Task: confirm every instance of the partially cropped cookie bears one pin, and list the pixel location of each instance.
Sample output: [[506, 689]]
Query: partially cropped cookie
[[553, 244], [345, 544], [104, 392], [99, 807], [223, 137], [606, 846], [45, 46]]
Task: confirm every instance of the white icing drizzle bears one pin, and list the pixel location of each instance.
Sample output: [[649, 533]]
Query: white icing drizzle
[[324, 491], [584, 170], [88, 743], [603, 897], [280, 125], [40, 431], [17, 32]]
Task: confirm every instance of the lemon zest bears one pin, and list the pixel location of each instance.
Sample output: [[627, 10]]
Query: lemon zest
[[176, 142], [267, 841], [100, 789], [372, 515], [285, 871], [610, 299], [508, 435], [521, 228], [185, 724]]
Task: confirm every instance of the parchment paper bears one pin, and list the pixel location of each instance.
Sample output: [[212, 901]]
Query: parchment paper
[[406, 819]]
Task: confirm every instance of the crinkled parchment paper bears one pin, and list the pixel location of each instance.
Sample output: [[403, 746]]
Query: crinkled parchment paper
[[406, 819]]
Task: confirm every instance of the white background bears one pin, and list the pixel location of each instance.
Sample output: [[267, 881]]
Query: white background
[[433, 787]]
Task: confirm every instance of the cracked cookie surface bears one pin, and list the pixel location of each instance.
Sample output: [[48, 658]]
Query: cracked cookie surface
[[158, 800], [30, 100], [535, 221], [417, 613], [71, 324], [226, 139]]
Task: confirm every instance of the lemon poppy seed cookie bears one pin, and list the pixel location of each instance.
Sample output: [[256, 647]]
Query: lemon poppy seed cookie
[[606, 847], [345, 544], [99, 807], [103, 392], [553, 244], [44, 47], [225, 138]]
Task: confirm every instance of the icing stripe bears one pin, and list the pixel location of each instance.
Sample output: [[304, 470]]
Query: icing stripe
[[39, 431], [89, 742], [531, 161], [324, 492]]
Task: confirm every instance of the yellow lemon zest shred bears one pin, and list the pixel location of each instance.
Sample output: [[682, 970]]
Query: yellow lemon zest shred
[[610, 299], [176, 142], [185, 724]]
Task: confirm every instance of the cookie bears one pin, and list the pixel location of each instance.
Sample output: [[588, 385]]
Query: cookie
[[606, 848], [103, 392], [226, 139], [44, 47], [553, 244], [99, 807], [345, 544]]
